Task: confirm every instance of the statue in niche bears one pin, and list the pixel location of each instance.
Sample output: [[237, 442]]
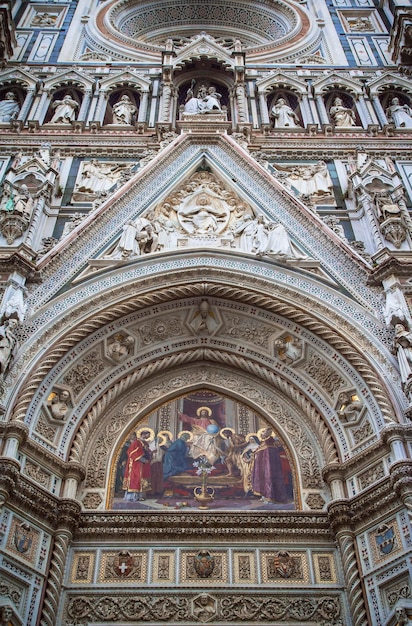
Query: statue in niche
[[97, 177], [15, 307], [7, 343], [310, 180], [59, 404], [283, 115], [65, 110], [341, 116], [385, 207], [20, 203], [396, 311], [138, 237], [9, 108], [403, 347], [207, 100], [399, 114], [123, 111]]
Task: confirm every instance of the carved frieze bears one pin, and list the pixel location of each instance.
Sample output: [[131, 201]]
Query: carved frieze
[[243, 607]]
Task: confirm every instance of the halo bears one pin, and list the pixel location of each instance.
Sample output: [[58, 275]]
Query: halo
[[262, 430], [146, 429], [204, 408], [163, 436], [222, 430], [186, 432]]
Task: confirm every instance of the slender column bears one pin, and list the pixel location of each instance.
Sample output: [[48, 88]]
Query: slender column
[[42, 107], [144, 103], [241, 103], [323, 115], [264, 114], [69, 513], [37, 212], [101, 105], [26, 104], [365, 115], [306, 111], [379, 111], [85, 106]]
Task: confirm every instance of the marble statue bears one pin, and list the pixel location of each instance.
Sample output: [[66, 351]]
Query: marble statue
[[15, 307], [166, 228], [342, 116], [203, 217], [283, 115], [309, 180], [123, 111], [65, 110], [6, 615], [207, 101], [20, 203], [272, 239], [246, 227], [396, 310], [9, 108], [385, 207], [399, 114], [7, 342], [97, 177], [403, 347], [289, 349], [138, 237]]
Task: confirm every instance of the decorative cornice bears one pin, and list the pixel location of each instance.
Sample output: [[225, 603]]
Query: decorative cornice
[[182, 526]]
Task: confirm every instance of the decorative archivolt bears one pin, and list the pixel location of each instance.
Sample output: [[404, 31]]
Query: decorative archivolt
[[86, 320], [281, 80]]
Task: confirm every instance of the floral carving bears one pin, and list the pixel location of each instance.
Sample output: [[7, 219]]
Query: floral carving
[[253, 331], [86, 371], [36, 473], [92, 500], [315, 501], [365, 431], [324, 374], [160, 329]]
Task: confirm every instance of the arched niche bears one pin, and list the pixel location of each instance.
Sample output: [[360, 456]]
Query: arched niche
[[347, 101], [73, 111], [291, 100], [114, 101], [203, 448]]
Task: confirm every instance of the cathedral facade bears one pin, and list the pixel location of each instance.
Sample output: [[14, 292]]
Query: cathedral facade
[[206, 312]]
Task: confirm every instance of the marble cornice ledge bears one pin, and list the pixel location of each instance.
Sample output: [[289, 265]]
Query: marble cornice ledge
[[222, 527], [35, 501], [9, 477], [48, 460], [374, 502]]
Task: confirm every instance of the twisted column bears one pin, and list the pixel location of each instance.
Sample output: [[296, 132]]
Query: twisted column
[[69, 513], [340, 517]]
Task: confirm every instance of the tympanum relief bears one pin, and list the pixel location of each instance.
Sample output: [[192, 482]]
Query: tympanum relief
[[203, 212]]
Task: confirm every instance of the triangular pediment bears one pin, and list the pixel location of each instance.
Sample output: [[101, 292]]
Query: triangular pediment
[[213, 187]]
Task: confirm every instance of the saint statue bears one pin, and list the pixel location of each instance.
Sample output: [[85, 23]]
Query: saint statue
[[207, 101], [9, 108], [123, 111], [65, 110], [7, 342], [403, 347], [399, 114], [341, 115], [283, 115]]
